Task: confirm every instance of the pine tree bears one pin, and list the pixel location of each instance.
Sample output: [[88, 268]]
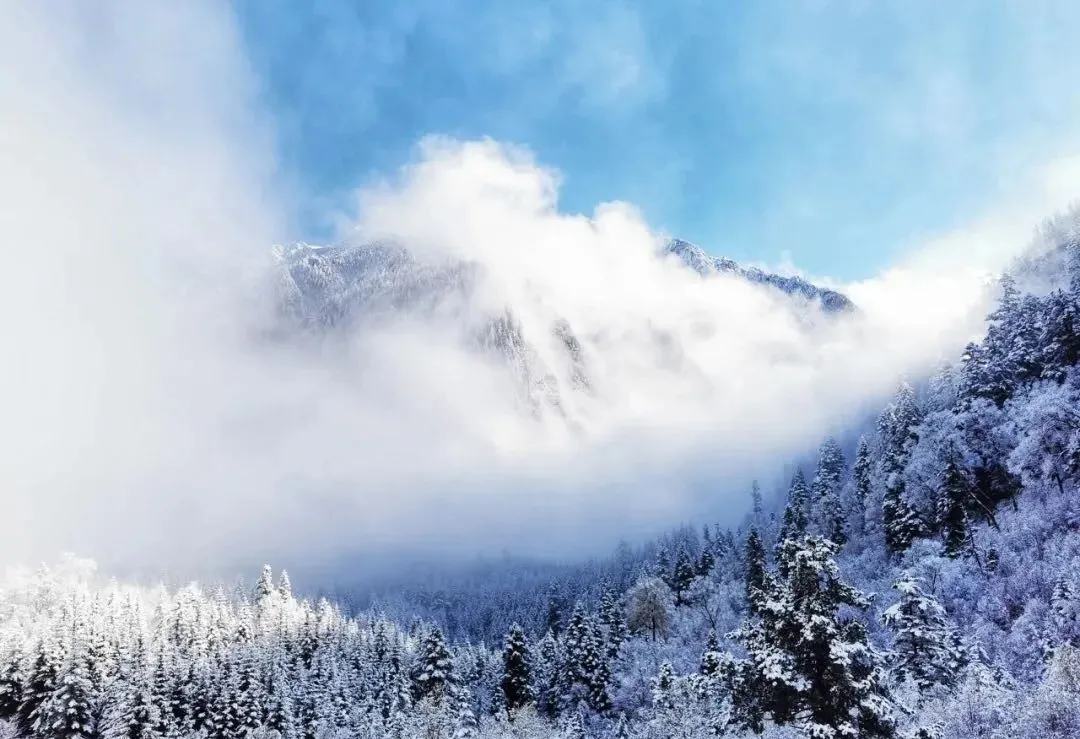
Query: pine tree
[[285, 586], [435, 672], [11, 684], [806, 665], [926, 648], [264, 588], [555, 612], [280, 712], [711, 662], [828, 480], [588, 673], [66, 713], [517, 670], [952, 510], [897, 427], [162, 689], [44, 674], [549, 671], [706, 562], [465, 726], [755, 571], [756, 503], [902, 524], [130, 711], [664, 567], [614, 625], [861, 473], [683, 577], [795, 513], [662, 687]]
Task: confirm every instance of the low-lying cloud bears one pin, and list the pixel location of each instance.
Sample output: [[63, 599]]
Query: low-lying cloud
[[145, 420]]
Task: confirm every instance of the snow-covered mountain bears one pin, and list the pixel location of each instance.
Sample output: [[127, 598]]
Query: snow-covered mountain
[[705, 264], [325, 285], [352, 285]]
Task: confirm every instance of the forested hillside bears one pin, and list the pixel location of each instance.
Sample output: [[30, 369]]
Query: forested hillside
[[925, 583]]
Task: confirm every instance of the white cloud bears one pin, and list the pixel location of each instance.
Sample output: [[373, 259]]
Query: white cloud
[[143, 422]]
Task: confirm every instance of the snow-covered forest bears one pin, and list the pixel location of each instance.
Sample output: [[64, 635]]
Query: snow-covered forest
[[924, 583]]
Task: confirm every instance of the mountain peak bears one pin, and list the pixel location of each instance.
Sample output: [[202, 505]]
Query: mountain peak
[[705, 264]]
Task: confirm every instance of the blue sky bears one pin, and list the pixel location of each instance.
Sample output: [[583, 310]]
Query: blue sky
[[836, 132]]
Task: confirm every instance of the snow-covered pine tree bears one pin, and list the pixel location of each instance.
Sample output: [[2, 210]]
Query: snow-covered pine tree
[[588, 673], [130, 711], [555, 611], [663, 686], [897, 428], [795, 518], [613, 625], [284, 587], [926, 649], [264, 587], [755, 571], [68, 710], [711, 660], [861, 478], [683, 576], [549, 671], [825, 492], [435, 671], [517, 670], [806, 664], [11, 680], [42, 680], [952, 510]]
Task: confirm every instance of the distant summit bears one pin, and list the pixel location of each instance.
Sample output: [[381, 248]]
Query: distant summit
[[557, 366], [705, 264]]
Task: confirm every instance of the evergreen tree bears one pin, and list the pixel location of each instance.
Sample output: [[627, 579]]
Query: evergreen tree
[[662, 687], [861, 474], [828, 480], [555, 611], [755, 571], [926, 648], [285, 586], [795, 513], [43, 680], [711, 662], [549, 671], [517, 670], [11, 684], [588, 673], [706, 562], [264, 588], [952, 510], [683, 577], [130, 711], [614, 625], [897, 427], [280, 712], [806, 665], [465, 726], [67, 712], [435, 671]]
